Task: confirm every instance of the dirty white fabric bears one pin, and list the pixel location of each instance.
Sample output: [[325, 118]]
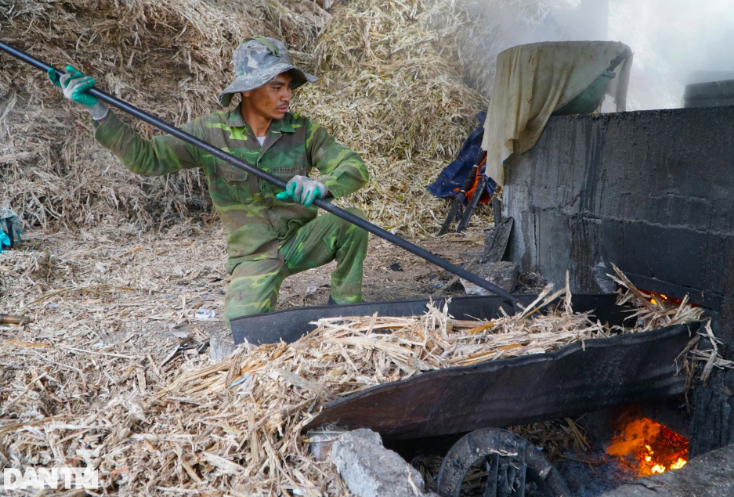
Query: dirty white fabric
[[532, 81]]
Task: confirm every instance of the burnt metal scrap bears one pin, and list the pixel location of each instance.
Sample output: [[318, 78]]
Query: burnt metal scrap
[[581, 377], [512, 464]]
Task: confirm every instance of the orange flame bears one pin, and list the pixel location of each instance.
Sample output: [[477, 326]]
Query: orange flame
[[649, 447], [662, 299], [656, 298]]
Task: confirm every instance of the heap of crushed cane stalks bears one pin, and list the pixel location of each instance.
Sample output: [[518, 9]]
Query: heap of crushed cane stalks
[[170, 58], [390, 88], [184, 423]]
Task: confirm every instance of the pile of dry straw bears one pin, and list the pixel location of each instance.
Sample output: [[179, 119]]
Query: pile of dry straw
[[398, 84], [391, 88], [155, 425]]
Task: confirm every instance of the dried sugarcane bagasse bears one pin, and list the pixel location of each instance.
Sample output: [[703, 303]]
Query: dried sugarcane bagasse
[[233, 426], [115, 267], [391, 90]]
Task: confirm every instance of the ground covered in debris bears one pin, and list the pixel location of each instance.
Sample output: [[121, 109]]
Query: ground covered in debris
[[111, 305], [174, 275], [124, 276], [113, 372]]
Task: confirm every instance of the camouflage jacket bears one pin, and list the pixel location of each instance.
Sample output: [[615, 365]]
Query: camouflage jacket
[[257, 223]]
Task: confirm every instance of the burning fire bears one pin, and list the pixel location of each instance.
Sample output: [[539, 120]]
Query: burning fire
[[649, 447], [661, 298]]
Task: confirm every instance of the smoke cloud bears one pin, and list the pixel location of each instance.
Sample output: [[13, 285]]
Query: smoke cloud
[[675, 42]]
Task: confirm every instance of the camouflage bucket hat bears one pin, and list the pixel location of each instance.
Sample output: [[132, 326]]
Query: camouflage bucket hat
[[257, 61]]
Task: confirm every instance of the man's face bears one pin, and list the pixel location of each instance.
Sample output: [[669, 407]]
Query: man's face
[[271, 100]]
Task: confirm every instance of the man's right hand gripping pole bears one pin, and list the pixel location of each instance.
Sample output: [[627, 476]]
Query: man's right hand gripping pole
[[303, 190], [75, 85]]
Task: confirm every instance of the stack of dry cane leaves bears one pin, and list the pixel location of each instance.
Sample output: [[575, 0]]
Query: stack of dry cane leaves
[[233, 427]]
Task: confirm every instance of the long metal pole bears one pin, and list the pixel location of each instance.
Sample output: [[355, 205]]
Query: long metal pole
[[366, 225]]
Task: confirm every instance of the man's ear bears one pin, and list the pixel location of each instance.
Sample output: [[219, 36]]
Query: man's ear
[[246, 94]]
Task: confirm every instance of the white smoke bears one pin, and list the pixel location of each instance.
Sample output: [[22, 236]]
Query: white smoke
[[675, 42]]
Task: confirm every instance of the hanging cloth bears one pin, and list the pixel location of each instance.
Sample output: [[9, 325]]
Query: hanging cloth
[[532, 81]]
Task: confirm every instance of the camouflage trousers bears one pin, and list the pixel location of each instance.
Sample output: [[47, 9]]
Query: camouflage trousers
[[255, 284]]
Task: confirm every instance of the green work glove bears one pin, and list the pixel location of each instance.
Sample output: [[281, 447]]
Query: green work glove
[[303, 190], [75, 86], [54, 76]]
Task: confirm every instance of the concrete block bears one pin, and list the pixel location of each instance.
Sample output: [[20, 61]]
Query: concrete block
[[503, 274], [370, 470]]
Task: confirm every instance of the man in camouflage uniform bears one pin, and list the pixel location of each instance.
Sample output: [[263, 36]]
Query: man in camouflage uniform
[[271, 233]]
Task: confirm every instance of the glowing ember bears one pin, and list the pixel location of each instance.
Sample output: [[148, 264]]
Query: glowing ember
[[661, 298], [649, 447]]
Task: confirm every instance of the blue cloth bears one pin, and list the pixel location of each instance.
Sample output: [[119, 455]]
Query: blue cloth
[[9, 228], [4, 240], [454, 175]]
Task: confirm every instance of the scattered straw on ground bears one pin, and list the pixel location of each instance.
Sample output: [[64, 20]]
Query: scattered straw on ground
[[154, 419]]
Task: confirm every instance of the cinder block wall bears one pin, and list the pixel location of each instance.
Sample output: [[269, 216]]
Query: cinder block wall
[[652, 192]]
